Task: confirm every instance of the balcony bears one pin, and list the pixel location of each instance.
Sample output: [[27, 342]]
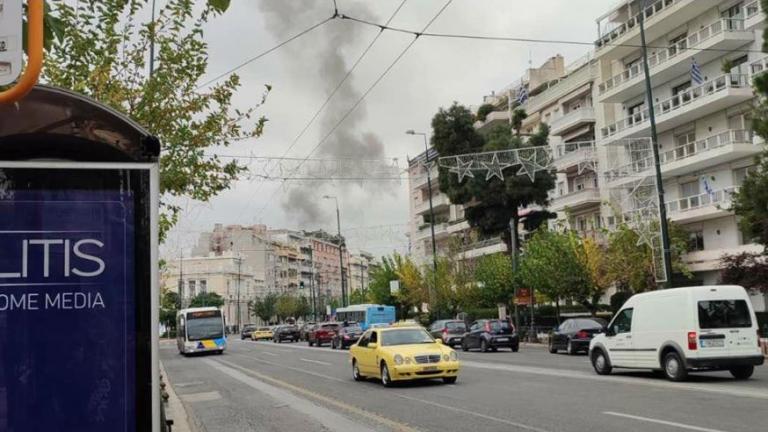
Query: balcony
[[753, 12], [684, 107], [572, 120], [568, 155], [714, 150], [425, 231], [457, 226], [701, 207], [709, 259], [661, 17], [440, 202], [494, 118], [576, 201], [666, 64], [482, 248]]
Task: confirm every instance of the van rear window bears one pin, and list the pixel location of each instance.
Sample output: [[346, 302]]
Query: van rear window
[[717, 314]]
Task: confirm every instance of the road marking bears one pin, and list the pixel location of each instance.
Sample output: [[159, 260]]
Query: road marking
[[328, 418], [662, 422], [319, 375], [316, 361], [268, 353], [189, 384], [202, 397], [473, 413], [730, 390]]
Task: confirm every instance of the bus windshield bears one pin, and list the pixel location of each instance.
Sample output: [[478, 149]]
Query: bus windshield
[[209, 327]]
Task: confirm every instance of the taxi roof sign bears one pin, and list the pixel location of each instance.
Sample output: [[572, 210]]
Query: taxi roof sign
[[11, 50]]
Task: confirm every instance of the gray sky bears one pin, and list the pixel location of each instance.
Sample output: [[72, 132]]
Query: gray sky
[[432, 74]]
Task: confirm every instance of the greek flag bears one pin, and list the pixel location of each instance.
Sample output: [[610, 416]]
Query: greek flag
[[696, 76], [522, 94]]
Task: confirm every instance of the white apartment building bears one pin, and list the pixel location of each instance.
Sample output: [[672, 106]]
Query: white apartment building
[[704, 133]]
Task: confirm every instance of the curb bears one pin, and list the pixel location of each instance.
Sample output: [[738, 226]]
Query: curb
[[174, 409]]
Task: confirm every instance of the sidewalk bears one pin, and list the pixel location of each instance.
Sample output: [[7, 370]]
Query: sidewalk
[[174, 409]]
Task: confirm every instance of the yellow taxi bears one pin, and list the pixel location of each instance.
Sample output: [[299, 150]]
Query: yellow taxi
[[402, 353], [262, 333]]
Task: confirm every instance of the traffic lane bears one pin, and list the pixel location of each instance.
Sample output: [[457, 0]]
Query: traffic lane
[[539, 357], [551, 399], [218, 402]]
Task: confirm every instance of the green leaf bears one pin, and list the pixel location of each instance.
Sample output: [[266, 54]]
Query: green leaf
[[220, 6]]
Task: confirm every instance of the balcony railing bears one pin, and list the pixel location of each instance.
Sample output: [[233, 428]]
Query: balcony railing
[[679, 101], [673, 52], [648, 13], [758, 66], [752, 9], [481, 244], [681, 152], [576, 198], [567, 149], [720, 197], [586, 114]]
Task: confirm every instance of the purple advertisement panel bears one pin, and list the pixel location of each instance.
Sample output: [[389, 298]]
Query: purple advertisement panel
[[67, 311]]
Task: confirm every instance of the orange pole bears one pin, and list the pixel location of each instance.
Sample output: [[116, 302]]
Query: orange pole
[[35, 54]]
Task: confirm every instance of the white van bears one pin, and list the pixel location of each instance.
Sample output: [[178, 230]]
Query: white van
[[678, 330]]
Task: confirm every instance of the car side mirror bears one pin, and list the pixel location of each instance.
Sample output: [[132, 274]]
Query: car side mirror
[[373, 345], [439, 341], [610, 332]]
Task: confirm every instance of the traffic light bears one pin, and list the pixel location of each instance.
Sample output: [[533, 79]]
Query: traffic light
[[301, 285]]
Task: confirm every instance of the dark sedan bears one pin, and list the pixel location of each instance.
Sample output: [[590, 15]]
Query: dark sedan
[[490, 335], [450, 331], [245, 333], [286, 332], [346, 336], [305, 329], [574, 335]]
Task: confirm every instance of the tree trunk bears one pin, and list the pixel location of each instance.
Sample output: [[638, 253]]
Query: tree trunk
[[557, 310]]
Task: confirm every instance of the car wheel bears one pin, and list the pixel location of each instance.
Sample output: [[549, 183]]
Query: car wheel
[[552, 349], [674, 368], [356, 371], [450, 380], [516, 348], [570, 349], [600, 363], [742, 372], [483, 346], [309, 342], [333, 343], [464, 347], [494, 349], [386, 379]]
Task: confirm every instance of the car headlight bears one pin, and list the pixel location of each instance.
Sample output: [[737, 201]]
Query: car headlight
[[398, 359], [408, 360], [453, 356], [446, 357]]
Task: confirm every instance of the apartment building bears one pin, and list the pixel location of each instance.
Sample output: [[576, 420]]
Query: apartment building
[[703, 119], [227, 275], [360, 266]]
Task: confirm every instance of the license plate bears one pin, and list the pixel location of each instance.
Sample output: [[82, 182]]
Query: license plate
[[430, 368], [502, 340], [713, 343]]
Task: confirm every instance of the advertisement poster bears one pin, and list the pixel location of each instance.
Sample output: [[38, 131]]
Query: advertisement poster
[[67, 306]]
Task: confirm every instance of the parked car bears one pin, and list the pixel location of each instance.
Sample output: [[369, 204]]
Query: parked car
[[346, 336], [305, 329], [286, 332], [262, 333], [708, 328], [574, 335], [450, 331], [491, 334], [245, 333], [322, 333]]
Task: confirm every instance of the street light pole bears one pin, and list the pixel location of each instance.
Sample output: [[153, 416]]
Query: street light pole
[[666, 253], [431, 215], [341, 251]]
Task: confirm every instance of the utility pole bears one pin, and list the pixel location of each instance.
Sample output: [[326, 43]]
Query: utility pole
[[431, 219], [181, 278], [515, 259], [666, 253], [152, 43], [341, 251], [239, 264], [312, 282]]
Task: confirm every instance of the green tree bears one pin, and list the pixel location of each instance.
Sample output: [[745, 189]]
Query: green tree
[[358, 297], [303, 307], [495, 281], [495, 201], [402, 269], [100, 49], [285, 307], [169, 306], [484, 110], [207, 299], [749, 270], [264, 308]]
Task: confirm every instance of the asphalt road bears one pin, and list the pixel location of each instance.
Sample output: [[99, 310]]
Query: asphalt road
[[262, 386]]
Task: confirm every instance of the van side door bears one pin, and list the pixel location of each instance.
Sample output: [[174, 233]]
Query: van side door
[[619, 339]]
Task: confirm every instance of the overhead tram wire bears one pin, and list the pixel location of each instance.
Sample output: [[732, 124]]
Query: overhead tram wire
[[262, 54]]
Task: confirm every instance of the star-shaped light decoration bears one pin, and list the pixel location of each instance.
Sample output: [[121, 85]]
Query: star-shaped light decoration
[[645, 235], [494, 168], [463, 168], [587, 164], [528, 163]]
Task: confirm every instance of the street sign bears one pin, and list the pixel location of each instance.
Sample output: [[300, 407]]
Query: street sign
[[10, 41], [523, 296], [394, 286]]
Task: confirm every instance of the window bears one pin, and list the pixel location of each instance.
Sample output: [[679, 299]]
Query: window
[[365, 339], [740, 121], [598, 222], [582, 223], [739, 175], [678, 43], [374, 338], [191, 288], [203, 286], [718, 314], [623, 322], [684, 97], [695, 241], [475, 327], [689, 189]]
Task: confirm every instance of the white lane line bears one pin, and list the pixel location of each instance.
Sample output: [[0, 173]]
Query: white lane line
[[316, 362], [662, 422], [473, 413], [268, 353], [319, 375]]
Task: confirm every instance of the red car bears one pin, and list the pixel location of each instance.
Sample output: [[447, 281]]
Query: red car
[[322, 333]]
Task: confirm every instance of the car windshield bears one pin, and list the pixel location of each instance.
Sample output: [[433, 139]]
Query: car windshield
[[204, 328], [717, 314], [329, 326], [498, 325], [588, 324], [353, 329], [405, 337], [248, 328], [455, 325], [263, 329]]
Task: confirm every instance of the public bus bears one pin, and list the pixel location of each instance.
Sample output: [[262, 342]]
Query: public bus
[[200, 330], [367, 314]]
